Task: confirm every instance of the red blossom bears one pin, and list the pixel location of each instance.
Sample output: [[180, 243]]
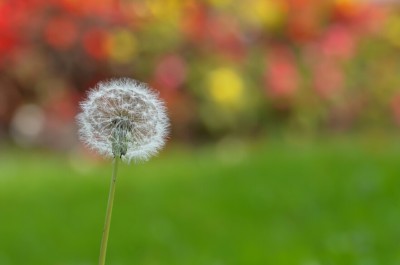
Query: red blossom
[[170, 72], [60, 32], [281, 76], [95, 43], [338, 42]]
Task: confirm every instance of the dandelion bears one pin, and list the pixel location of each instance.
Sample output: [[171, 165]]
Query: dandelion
[[122, 119]]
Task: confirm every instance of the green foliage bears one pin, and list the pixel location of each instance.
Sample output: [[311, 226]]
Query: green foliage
[[279, 202]]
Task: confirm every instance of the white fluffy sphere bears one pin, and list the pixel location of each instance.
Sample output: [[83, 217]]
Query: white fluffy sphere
[[123, 118]]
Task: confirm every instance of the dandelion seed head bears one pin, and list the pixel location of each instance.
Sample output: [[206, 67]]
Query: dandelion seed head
[[123, 118]]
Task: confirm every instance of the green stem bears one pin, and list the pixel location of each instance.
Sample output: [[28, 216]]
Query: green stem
[[103, 248]]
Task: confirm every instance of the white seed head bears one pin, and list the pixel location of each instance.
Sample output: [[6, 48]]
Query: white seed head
[[123, 118]]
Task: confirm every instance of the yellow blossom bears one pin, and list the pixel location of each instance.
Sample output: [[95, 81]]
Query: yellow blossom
[[392, 30], [122, 46], [267, 13], [225, 87]]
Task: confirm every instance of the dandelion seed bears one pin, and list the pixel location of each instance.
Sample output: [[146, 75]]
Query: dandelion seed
[[123, 118]]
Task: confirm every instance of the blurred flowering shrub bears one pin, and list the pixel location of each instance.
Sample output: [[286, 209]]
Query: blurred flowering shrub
[[222, 65]]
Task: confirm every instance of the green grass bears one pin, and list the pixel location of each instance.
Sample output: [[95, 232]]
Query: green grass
[[278, 202]]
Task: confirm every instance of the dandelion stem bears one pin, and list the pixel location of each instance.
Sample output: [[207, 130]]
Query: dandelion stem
[[106, 230]]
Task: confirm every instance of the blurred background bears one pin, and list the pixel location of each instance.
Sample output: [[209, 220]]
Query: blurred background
[[283, 145]]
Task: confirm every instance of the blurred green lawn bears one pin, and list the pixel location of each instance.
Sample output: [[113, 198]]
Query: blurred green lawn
[[275, 202]]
